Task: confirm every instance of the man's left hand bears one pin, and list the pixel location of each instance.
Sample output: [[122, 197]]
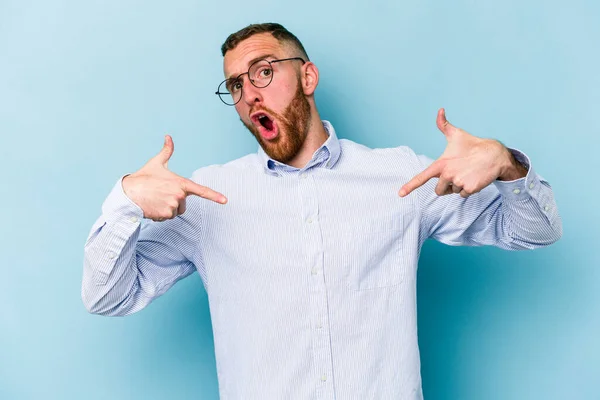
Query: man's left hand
[[468, 163]]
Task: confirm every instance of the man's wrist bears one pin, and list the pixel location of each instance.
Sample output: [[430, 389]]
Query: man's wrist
[[513, 169], [125, 183]]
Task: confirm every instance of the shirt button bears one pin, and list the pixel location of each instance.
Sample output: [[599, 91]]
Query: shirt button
[[133, 219], [309, 220], [323, 377], [516, 191], [546, 208], [313, 271], [531, 185], [319, 325], [111, 255], [302, 176]]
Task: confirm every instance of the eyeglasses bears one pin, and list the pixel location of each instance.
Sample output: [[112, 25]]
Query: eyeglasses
[[260, 74]]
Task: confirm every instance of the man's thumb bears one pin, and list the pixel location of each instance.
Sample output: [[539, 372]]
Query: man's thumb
[[167, 151], [443, 125]]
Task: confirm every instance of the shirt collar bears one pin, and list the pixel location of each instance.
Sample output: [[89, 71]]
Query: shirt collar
[[326, 156]]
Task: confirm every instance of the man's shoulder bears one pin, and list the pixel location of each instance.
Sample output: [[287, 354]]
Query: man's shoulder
[[353, 149], [244, 163]]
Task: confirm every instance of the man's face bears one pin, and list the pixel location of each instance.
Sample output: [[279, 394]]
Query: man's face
[[278, 115]]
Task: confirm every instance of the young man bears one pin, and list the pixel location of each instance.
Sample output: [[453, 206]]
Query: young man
[[310, 262]]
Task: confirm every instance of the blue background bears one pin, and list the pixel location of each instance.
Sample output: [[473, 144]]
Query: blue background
[[89, 88]]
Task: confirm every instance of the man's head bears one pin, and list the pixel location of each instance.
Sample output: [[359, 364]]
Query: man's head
[[277, 106]]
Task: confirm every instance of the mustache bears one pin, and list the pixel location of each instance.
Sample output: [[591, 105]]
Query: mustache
[[266, 110]]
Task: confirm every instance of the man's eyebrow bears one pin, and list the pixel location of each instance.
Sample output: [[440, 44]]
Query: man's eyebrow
[[255, 59]]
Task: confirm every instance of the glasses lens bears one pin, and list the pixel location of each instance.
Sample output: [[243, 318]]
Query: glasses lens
[[230, 91], [261, 73]]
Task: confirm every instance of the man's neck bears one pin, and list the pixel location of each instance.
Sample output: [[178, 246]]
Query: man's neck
[[317, 135]]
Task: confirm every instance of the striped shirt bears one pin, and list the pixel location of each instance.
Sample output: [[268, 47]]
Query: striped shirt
[[310, 273]]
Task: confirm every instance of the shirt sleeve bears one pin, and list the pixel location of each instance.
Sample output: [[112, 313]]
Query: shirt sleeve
[[512, 215], [129, 261]]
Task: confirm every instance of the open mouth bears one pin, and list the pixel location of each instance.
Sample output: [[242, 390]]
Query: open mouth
[[265, 124]]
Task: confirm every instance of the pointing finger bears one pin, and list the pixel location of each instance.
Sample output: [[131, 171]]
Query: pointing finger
[[192, 188], [419, 180]]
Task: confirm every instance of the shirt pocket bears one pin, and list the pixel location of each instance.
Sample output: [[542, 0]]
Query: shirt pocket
[[373, 255]]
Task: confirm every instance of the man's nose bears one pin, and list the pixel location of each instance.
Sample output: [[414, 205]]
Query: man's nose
[[251, 93]]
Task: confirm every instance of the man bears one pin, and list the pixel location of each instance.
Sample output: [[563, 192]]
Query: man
[[310, 262]]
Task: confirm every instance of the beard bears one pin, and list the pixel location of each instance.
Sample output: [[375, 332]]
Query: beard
[[293, 125]]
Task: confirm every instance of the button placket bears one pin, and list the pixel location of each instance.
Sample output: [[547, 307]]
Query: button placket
[[313, 245]]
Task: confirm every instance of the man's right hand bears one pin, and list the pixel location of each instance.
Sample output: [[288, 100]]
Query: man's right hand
[[159, 192]]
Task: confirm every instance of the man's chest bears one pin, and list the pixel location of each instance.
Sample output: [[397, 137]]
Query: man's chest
[[353, 230]]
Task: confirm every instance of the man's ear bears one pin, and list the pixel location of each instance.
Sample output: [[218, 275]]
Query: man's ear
[[310, 77]]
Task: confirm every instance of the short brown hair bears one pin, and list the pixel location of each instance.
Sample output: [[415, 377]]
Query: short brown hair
[[277, 30]]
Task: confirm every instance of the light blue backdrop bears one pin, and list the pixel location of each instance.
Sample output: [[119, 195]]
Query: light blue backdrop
[[89, 88]]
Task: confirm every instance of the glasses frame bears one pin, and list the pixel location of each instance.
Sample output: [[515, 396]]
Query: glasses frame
[[218, 93]]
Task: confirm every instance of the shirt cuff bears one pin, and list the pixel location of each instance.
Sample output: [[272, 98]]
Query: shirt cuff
[[118, 206], [523, 188]]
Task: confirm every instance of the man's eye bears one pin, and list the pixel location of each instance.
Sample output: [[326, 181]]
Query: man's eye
[[236, 86], [266, 72]]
